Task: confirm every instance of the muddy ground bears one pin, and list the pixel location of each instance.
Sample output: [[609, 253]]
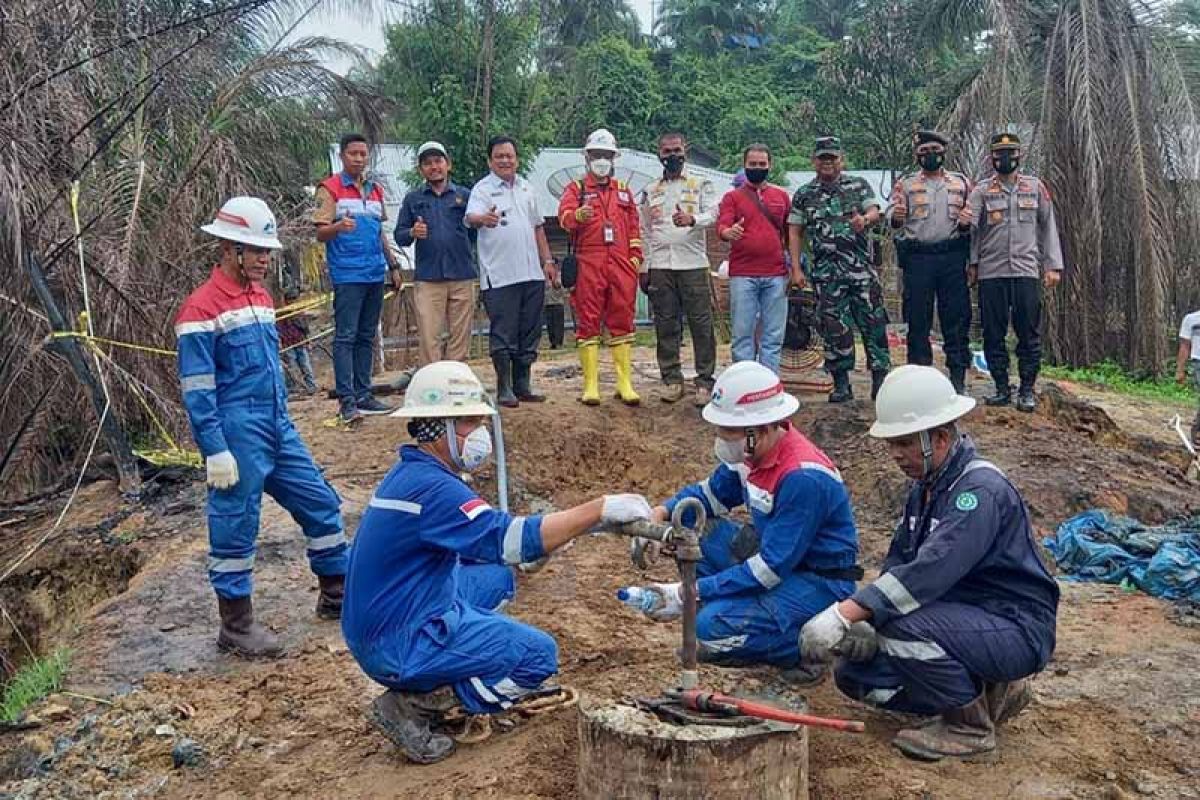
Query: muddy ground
[[1117, 713]]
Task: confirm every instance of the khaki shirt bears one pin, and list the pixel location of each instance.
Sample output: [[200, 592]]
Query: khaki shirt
[[933, 205], [671, 247], [1013, 232]]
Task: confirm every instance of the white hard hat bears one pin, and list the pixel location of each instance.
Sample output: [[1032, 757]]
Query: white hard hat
[[445, 389], [247, 220], [431, 147], [914, 399], [602, 139], [748, 394]]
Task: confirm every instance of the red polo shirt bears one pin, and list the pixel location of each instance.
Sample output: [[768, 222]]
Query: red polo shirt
[[758, 254]]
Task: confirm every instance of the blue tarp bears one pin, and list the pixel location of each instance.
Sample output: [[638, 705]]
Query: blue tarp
[[1162, 560]]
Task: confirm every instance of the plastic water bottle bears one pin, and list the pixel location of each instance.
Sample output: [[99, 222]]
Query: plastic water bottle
[[639, 599]]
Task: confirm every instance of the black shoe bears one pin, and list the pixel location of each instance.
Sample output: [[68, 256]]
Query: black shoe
[[522, 385], [958, 379], [371, 407], [1002, 397], [408, 728], [504, 393], [841, 388], [348, 412], [877, 376], [329, 600], [1026, 401]]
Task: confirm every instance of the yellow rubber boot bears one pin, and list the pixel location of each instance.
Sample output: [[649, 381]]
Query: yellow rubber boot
[[589, 359], [622, 354]]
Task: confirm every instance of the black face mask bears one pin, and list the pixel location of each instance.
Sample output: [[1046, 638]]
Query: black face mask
[[931, 162], [1006, 162], [673, 164], [756, 175]]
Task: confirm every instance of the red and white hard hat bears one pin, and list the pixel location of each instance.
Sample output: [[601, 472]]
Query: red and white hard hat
[[246, 220], [748, 394], [603, 140]]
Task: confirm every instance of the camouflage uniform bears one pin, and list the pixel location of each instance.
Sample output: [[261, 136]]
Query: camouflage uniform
[[848, 289]]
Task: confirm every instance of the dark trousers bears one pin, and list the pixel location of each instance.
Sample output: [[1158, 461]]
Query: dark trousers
[[556, 325], [515, 316], [1018, 300], [356, 309], [674, 295], [940, 278]]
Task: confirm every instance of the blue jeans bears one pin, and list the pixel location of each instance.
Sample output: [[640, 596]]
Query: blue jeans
[[298, 359], [356, 309], [751, 299]]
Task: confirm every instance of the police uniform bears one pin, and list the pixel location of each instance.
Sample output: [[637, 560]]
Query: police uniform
[[932, 254], [755, 596], [429, 566], [963, 598], [1014, 238], [849, 293]]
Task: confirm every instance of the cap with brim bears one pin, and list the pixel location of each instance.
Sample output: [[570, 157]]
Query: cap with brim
[[1006, 141], [431, 147], [929, 137], [828, 146]]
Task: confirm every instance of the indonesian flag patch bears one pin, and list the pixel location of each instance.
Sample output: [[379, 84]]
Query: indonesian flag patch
[[473, 508]]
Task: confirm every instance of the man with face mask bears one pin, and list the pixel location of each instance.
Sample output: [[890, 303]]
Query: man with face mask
[[1013, 237], [759, 584], [834, 212], [963, 610], [932, 252], [431, 563], [676, 214], [598, 212]]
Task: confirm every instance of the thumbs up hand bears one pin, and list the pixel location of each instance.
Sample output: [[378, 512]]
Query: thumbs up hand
[[420, 230], [682, 219], [491, 219], [736, 232]]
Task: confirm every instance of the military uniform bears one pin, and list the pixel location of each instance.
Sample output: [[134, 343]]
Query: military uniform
[[1014, 238], [932, 254], [848, 289]]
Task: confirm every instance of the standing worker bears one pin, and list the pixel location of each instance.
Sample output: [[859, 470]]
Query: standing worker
[[677, 212], [932, 252], [417, 620], [514, 265], [1013, 237], [835, 211], [964, 610], [599, 214], [349, 220], [233, 390]]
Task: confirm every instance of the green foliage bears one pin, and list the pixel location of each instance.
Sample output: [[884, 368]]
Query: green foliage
[[612, 84], [37, 679], [1112, 376]]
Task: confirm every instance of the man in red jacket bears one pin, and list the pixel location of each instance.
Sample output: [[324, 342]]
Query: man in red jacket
[[753, 219], [601, 216]]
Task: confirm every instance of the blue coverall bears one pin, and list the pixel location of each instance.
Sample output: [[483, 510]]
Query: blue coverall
[[963, 598], [415, 617], [233, 390], [752, 610]]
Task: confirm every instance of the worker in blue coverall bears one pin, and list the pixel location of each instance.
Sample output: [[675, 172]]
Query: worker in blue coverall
[[234, 392], [761, 583], [419, 620], [963, 610]]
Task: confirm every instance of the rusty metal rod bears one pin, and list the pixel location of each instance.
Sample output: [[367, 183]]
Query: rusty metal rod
[[698, 700]]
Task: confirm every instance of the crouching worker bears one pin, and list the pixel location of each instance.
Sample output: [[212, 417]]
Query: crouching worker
[[761, 583], [416, 618], [964, 611]]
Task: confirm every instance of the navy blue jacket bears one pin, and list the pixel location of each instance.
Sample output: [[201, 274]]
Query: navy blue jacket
[[971, 542], [447, 254]]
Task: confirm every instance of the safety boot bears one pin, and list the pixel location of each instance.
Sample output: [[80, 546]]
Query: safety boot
[[504, 393], [1026, 400], [841, 388], [961, 733], [1006, 700], [329, 600], [522, 384], [622, 355], [589, 359], [240, 634], [672, 393], [958, 379], [877, 376], [407, 726], [1003, 395]]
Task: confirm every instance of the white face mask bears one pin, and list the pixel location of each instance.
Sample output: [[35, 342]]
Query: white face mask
[[730, 452], [601, 167], [476, 448]]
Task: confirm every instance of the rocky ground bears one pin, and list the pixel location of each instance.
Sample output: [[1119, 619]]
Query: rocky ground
[[1117, 713]]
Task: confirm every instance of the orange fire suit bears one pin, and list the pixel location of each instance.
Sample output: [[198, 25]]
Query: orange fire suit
[[609, 251]]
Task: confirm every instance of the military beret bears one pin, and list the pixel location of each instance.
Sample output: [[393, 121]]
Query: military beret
[[828, 145], [927, 136], [1006, 141]]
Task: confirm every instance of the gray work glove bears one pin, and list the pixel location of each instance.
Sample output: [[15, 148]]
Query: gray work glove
[[859, 644]]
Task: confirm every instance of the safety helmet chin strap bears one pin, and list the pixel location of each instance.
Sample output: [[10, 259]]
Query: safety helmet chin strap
[[452, 442], [751, 442], [926, 454]]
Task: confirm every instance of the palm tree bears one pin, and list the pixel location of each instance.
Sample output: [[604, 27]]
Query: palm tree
[[704, 25]]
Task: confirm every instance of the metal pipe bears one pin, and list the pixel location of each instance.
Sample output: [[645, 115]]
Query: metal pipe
[[697, 700], [501, 462], [687, 555]]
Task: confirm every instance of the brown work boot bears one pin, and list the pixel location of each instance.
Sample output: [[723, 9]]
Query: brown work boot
[[963, 732], [703, 396], [407, 726], [1006, 700], [240, 634], [329, 601], [672, 393]]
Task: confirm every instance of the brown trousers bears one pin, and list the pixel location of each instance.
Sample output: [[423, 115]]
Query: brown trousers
[[444, 306]]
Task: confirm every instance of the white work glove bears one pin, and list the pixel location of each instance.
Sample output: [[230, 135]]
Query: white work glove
[[859, 644], [222, 470], [621, 508], [671, 605], [821, 634]]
